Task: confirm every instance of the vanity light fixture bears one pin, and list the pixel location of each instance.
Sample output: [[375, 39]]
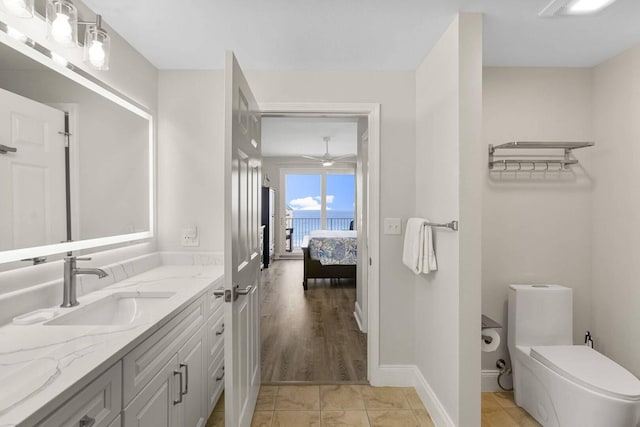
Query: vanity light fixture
[[97, 45], [62, 22], [574, 7], [20, 8]]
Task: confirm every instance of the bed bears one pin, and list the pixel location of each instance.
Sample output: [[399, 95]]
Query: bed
[[329, 254]]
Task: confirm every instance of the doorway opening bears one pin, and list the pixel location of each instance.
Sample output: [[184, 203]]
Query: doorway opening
[[315, 333]]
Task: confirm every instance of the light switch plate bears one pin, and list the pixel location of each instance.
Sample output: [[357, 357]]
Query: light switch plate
[[392, 226]]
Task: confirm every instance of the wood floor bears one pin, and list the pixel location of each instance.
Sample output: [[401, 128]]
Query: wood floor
[[309, 336]]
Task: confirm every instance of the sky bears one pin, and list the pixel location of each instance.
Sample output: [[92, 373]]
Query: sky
[[303, 192]]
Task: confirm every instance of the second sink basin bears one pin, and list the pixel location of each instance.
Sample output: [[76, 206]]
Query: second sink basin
[[120, 308]]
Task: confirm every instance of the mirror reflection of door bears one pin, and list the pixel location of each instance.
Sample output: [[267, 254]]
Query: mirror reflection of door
[[32, 179]]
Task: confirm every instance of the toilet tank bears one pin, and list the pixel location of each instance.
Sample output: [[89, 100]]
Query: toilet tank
[[540, 315]]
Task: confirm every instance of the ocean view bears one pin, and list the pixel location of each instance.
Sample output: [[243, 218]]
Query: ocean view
[[305, 221]]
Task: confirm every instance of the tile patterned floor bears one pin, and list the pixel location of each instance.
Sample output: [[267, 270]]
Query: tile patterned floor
[[334, 405], [499, 410], [361, 406]]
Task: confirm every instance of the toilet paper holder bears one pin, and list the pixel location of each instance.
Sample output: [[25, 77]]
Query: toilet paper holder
[[489, 323]]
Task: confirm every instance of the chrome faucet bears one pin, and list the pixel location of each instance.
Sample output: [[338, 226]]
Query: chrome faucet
[[69, 298]]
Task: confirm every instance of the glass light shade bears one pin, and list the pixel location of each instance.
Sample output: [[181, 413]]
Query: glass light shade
[[97, 45], [20, 8], [62, 22]]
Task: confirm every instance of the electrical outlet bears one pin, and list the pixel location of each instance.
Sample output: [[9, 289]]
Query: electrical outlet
[[190, 236], [392, 226]]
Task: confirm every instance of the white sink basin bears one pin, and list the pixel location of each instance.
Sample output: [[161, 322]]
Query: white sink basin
[[121, 308]]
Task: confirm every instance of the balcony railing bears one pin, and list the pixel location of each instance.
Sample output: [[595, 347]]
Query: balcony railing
[[303, 226]]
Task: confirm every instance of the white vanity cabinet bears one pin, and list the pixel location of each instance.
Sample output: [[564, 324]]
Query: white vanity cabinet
[[171, 379], [177, 391]]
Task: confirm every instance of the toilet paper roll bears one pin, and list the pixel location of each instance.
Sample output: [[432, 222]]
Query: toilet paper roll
[[495, 340]]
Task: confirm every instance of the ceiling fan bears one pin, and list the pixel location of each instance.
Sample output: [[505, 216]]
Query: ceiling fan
[[329, 160]]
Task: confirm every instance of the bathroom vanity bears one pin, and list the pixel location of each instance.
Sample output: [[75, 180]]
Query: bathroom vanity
[[147, 350]]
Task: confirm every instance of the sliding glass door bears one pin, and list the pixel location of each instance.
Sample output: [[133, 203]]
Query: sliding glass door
[[317, 199]]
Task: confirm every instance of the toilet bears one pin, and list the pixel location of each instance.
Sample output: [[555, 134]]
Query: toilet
[[558, 383]]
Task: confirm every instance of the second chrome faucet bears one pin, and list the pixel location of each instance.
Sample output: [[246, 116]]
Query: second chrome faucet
[[69, 295]]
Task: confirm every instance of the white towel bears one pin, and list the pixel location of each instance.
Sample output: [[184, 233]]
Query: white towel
[[418, 253], [429, 262], [413, 245]]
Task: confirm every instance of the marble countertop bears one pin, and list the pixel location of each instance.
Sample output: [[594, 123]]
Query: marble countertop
[[43, 365]]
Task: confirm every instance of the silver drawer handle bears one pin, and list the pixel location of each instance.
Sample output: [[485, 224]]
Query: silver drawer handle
[[4, 149], [179, 400], [186, 373], [221, 331], [86, 421], [221, 376]]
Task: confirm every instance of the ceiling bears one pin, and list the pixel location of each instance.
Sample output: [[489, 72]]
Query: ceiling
[[360, 34], [299, 136]]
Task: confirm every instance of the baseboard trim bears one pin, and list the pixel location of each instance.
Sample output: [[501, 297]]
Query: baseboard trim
[[490, 381], [410, 376], [438, 413], [358, 315], [393, 376]]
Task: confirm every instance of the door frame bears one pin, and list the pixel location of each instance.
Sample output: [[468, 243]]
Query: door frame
[[372, 112]]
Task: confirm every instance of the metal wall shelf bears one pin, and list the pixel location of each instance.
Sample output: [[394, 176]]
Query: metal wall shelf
[[548, 162]]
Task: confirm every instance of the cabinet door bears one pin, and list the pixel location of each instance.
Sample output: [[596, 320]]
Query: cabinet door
[[157, 404], [192, 358]]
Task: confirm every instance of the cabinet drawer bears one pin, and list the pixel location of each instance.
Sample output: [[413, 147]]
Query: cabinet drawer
[[143, 362], [215, 379], [214, 303], [101, 401], [215, 333]]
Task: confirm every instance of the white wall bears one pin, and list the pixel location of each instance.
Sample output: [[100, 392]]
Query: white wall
[[536, 228], [448, 168], [616, 209], [190, 158]]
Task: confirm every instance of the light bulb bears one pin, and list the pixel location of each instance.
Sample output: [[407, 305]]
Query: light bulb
[[19, 8], [97, 54], [61, 30]]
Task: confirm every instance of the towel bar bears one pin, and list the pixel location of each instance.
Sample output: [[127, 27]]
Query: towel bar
[[453, 225]]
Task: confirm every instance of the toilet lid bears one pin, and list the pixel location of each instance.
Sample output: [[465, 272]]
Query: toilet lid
[[587, 367]]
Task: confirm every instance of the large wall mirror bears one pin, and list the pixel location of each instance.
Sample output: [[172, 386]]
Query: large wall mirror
[[76, 159]]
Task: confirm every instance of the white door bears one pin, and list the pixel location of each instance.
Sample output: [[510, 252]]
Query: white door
[[242, 254], [32, 178]]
